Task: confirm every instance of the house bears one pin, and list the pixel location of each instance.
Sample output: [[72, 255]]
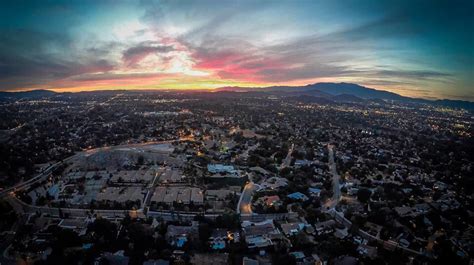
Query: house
[[273, 183], [156, 262], [208, 258], [183, 195], [179, 235], [341, 233], [403, 211], [325, 227], [117, 258], [422, 208], [314, 192], [249, 261], [298, 196], [218, 195], [302, 162], [373, 229], [121, 195], [368, 251], [77, 225], [269, 201], [260, 170], [259, 235], [290, 229], [298, 255], [302, 259], [218, 239], [259, 241], [220, 168]]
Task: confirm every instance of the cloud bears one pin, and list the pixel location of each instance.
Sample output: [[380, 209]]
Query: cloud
[[31, 58], [285, 62], [413, 74], [116, 76], [394, 44], [336, 54], [134, 55]]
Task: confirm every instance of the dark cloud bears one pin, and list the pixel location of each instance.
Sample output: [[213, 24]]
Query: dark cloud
[[30, 59], [385, 82], [377, 42], [134, 55], [413, 74]]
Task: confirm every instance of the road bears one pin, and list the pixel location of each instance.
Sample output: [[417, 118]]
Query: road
[[244, 205], [26, 184], [22, 208], [151, 189], [245, 201], [335, 180], [45, 173], [287, 161], [244, 155]]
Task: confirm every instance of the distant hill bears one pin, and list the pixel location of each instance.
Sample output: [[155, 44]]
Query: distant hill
[[329, 89], [347, 98], [324, 92], [314, 93], [348, 92], [354, 90], [313, 99], [33, 94]]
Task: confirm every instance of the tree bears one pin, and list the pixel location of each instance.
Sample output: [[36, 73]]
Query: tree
[[363, 195], [104, 229], [228, 220], [204, 232], [142, 240], [63, 238], [140, 160]]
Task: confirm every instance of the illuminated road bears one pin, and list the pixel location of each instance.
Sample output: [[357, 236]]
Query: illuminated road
[[246, 198], [26, 184]]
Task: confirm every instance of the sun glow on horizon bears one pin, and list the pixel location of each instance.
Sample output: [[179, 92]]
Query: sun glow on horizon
[[210, 44]]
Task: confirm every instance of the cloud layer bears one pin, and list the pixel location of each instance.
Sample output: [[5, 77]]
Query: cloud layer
[[416, 48]]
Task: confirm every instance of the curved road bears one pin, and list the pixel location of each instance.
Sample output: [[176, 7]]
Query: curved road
[[245, 201], [33, 180]]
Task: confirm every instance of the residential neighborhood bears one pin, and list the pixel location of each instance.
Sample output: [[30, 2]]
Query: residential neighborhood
[[235, 182]]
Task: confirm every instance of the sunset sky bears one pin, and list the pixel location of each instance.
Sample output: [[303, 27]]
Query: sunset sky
[[414, 48]]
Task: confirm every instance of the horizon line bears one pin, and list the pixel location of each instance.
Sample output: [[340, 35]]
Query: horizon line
[[214, 89]]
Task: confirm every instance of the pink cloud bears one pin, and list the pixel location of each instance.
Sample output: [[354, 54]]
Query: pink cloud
[[245, 64]]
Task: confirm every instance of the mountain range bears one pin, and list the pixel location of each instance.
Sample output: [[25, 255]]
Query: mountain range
[[349, 92], [318, 92]]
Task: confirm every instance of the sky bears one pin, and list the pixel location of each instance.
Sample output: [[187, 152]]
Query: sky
[[414, 48]]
